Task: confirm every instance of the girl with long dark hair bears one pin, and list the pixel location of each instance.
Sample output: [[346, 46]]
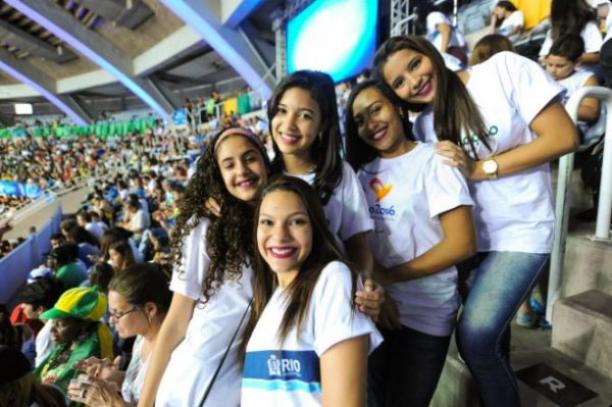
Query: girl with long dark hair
[[303, 118], [501, 123], [574, 17], [307, 343], [422, 212]]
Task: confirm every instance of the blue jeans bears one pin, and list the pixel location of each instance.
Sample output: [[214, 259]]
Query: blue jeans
[[404, 370], [499, 284]]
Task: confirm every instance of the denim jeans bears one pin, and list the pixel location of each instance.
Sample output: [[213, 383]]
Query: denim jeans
[[404, 370], [498, 286]]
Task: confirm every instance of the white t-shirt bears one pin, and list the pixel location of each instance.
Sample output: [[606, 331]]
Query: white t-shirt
[[346, 211], [94, 229], [44, 343], [209, 333], [288, 374], [574, 82], [608, 25], [590, 35], [138, 222], [135, 373], [513, 212], [406, 195], [435, 37], [516, 19]]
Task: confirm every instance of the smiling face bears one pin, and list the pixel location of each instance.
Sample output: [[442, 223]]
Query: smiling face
[[411, 75], [242, 167], [379, 123], [284, 234], [296, 123]]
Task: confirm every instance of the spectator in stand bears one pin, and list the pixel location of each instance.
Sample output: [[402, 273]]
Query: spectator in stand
[[446, 38], [574, 17], [87, 243], [135, 221], [78, 334], [507, 20], [36, 298], [139, 299], [84, 220], [120, 255], [488, 46], [57, 239], [63, 262], [561, 63]]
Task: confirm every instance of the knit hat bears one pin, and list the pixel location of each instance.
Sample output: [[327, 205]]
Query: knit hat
[[19, 365], [80, 302]]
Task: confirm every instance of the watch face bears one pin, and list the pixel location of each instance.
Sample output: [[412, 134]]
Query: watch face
[[490, 166]]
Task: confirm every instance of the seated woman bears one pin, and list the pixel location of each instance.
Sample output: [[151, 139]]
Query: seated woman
[[138, 298], [78, 334], [306, 344], [507, 20]]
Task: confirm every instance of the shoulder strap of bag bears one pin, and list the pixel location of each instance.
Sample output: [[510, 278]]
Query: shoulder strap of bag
[[229, 346]]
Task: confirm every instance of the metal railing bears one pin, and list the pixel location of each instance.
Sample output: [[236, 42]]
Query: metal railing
[[604, 208]]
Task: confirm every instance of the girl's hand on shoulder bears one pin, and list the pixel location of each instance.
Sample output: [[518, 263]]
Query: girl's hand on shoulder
[[456, 157], [370, 299]]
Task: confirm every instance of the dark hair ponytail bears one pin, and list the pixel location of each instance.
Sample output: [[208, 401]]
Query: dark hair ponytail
[[455, 112]]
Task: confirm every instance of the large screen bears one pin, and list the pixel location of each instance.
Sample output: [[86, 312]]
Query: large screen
[[333, 36]]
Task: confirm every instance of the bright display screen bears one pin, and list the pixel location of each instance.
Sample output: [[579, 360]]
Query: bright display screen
[[333, 36]]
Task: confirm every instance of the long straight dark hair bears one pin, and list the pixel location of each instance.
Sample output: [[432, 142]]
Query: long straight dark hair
[[358, 152], [570, 17], [327, 147], [324, 250], [455, 112]]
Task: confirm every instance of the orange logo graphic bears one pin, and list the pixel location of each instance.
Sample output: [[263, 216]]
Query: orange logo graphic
[[379, 188]]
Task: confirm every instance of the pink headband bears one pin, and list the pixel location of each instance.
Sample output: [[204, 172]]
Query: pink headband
[[232, 131]]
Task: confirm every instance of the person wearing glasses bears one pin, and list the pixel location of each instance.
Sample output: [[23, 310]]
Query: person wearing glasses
[[138, 300]]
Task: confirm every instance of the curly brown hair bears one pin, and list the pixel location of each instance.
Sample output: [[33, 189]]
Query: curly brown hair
[[228, 241]]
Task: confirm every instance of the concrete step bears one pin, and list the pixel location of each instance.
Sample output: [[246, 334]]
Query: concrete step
[[583, 329], [587, 263], [546, 378]]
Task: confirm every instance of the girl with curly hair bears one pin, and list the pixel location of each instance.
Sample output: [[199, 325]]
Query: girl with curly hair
[[212, 281]]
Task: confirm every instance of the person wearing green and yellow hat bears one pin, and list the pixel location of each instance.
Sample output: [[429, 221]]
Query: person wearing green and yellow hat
[[78, 334]]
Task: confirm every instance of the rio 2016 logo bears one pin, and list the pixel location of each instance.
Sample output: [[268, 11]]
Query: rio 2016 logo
[[379, 188]]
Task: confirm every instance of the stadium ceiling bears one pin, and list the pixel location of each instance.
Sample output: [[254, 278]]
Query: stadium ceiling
[[84, 57]]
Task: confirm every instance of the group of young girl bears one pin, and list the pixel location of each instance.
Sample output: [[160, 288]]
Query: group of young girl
[[269, 307]]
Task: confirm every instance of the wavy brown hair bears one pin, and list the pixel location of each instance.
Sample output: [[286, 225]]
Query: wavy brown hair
[[454, 110], [324, 250], [228, 241]]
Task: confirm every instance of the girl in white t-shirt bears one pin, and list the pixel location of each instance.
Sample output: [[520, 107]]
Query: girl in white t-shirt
[[501, 122], [507, 20], [303, 118], [574, 17], [307, 344], [212, 280], [422, 211]]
